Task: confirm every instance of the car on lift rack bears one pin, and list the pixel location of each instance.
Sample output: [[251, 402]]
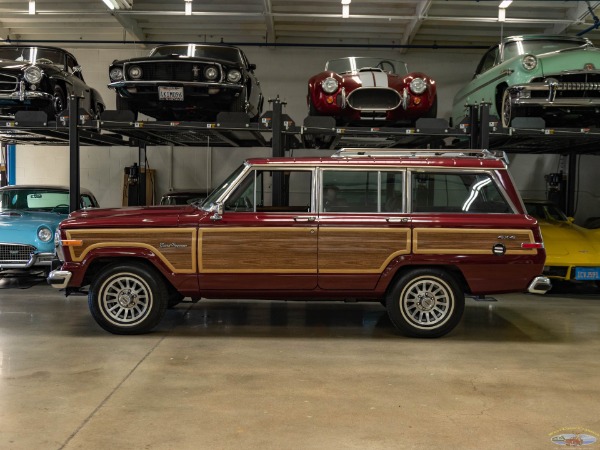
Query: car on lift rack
[[572, 252], [554, 77], [29, 216], [380, 90], [187, 82], [35, 78], [412, 229]]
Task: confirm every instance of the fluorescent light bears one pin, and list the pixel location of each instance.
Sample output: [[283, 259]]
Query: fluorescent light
[[109, 4], [501, 15], [188, 7], [345, 11], [346, 2], [31, 6], [505, 4]]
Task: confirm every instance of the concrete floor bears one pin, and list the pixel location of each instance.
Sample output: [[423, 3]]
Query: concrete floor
[[277, 375]]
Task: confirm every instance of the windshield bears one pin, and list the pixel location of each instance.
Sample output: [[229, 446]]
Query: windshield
[[33, 55], [199, 51], [218, 192], [355, 63], [545, 211], [540, 46], [34, 200]]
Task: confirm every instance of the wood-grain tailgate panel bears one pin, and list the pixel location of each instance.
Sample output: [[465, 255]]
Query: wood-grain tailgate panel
[[470, 241], [176, 247]]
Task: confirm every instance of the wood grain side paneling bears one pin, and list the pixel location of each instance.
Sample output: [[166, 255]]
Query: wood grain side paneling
[[360, 250], [264, 249], [469, 241], [176, 247]]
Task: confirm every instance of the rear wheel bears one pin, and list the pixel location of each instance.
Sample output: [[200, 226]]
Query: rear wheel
[[425, 303], [128, 298]]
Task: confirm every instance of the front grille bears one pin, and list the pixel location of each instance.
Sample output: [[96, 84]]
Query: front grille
[[8, 83], [14, 253], [573, 85], [373, 99], [172, 71]]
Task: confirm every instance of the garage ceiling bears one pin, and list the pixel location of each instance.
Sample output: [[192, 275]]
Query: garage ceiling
[[291, 22]]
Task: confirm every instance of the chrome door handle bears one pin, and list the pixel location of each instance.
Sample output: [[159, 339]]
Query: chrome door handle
[[305, 219], [397, 219]]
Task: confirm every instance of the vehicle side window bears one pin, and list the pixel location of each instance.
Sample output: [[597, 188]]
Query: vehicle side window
[[256, 194], [488, 61], [456, 193], [358, 191], [86, 201]]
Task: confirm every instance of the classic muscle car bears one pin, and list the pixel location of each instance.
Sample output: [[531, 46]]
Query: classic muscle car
[[187, 81], [554, 77], [356, 89], [41, 79], [414, 232], [572, 252], [29, 216]]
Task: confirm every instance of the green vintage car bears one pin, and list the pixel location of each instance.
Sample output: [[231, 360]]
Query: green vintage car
[[554, 77]]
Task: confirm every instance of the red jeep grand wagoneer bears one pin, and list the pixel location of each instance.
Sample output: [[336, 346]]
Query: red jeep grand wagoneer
[[413, 229]]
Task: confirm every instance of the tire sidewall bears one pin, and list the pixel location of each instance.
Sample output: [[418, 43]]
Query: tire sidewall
[[401, 319], [146, 277]]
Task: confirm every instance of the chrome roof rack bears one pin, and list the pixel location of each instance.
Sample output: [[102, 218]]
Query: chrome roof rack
[[412, 153]]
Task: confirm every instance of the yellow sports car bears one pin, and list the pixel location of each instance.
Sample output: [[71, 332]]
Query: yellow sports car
[[572, 252]]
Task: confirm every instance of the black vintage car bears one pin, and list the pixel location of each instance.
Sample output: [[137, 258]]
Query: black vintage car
[[187, 82], [34, 78]]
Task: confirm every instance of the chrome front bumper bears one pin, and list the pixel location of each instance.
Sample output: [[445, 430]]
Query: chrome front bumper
[[521, 94], [135, 84], [36, 260], [539, 285], [22, 94], [59, 279]]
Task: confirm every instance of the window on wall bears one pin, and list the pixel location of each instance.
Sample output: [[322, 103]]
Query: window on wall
[[256, 193], [456, 193], [359, 191]]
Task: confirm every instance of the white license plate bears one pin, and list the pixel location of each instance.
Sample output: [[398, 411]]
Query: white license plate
[[173, 94], [587, 273]]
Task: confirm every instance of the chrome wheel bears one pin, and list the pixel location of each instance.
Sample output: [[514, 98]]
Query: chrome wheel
[[507, 113], [427, 302], [125, 299]]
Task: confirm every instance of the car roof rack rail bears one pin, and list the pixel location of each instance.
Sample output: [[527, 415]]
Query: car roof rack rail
[[391, 152]]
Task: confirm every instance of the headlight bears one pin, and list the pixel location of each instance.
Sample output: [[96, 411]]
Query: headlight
[[529, 62], [33, 74], [329, 85], [44, 234], [211, 73], [135, 72], [234, 76], [418, 85], [116, 74]]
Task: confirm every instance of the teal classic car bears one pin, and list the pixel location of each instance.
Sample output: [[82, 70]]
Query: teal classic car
[[554, 77], [29, 216]]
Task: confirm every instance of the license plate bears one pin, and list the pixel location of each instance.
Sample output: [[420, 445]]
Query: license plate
[[173, 94], [587, 273]]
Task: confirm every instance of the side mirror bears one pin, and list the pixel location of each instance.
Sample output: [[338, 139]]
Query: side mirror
[[77, 69], [217, 209], [251, 67]]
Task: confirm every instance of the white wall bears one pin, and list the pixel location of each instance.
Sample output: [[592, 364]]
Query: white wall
[[283, 72]]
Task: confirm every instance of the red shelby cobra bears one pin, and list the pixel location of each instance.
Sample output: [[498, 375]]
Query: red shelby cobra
[[355, 89]]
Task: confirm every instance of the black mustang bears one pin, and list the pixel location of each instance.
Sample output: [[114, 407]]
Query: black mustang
[[187, 81], [41, 79]]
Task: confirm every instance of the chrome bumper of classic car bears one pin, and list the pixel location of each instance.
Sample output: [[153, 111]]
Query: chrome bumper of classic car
[[35, 260], [539, 285], [23, 94], [522, 94], [59, 279], [128, 85]]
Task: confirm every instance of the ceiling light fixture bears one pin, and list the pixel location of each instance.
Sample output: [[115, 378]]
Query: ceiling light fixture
[[505, 4], [109, 4], [188, 7], [31, 6], [346, 8]]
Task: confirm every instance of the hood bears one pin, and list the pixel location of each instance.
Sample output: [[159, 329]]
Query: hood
[[133, 216], [7, 64], [21, 227], [564, 240], [565, 60]]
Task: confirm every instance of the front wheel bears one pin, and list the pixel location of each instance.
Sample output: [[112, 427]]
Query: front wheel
[[425, 303], [507, 112], [128, 299]]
